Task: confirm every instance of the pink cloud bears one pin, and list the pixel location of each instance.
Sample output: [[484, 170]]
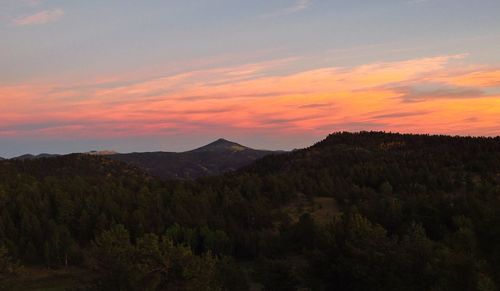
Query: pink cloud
[[39, 18], [249, 98]]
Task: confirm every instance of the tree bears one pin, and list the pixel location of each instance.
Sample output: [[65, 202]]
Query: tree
[[7, 267], [153, 263]]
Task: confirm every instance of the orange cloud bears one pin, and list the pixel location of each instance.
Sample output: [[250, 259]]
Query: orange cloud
[[425, 95]]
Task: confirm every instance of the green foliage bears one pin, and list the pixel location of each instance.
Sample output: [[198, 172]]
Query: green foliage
[[279, 275], [419, 213], [8, 268], [7, 265], [153, 263]]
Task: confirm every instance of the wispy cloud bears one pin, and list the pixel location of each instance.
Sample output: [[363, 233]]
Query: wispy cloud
[[419, 94], [39, 18], [299, 5], [416, 95], [316, 105], [394, 115]]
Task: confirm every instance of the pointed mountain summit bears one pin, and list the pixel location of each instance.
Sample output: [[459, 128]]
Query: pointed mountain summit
[[215, 158], [221, 145]]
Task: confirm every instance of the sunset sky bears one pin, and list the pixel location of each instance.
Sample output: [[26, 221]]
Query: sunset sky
[[276, 74]]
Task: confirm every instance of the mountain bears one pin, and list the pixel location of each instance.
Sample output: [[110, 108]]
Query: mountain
[[221, 145], [218, 157], [33, 157], [101, 153], [44, 155], [71, 165], [25, 157]]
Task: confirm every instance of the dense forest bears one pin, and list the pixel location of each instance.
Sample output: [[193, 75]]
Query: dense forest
[[410, 212]]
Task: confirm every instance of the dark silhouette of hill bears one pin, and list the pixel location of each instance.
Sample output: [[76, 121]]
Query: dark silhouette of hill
[[410, 212], [33, 157], [218, 157]]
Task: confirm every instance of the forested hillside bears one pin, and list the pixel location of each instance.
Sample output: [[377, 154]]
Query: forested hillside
[[216, 158], [412, 212]]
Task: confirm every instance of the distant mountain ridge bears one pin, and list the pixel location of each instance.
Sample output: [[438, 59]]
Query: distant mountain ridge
[[45, 155], [214, 158], [33, 157], [101, 153]]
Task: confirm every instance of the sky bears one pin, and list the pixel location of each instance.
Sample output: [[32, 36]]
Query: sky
[[276, 74]]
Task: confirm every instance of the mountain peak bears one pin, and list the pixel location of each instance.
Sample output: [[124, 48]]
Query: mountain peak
[[222, 141], [221, 145]]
